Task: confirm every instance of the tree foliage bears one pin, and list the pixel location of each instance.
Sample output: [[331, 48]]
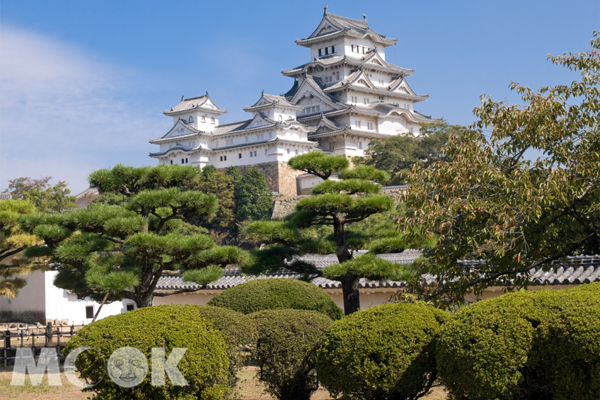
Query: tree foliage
[[489, 202], [333, 205], [397, 154], [42, 194], [253, 198], [13, 241], [120, 251]]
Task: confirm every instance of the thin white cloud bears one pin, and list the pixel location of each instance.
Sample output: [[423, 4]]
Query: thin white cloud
[[64, 112]]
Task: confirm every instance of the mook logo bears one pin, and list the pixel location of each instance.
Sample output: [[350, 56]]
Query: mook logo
[[127, 367]]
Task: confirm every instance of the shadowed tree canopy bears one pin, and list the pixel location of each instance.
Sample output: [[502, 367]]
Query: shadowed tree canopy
[[490, 202], [113, 252], [13, 241], [254, 199], [321, 225], [398, 154]]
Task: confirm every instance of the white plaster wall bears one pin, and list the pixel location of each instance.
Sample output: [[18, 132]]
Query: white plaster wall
[[309, 181], [337, 42], [62, 305], [31, 298]]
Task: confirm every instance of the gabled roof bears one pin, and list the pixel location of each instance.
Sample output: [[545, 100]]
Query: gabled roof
[[309, 83], [332, 26], [268, 101], [180, 130], [200, 103], [385, 109], [372, 61], [359, 81]]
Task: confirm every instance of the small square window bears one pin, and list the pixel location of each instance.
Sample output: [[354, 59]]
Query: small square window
[[130, 307], [89, 312]]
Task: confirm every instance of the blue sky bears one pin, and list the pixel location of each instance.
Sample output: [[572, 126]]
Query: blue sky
[[83, 83]]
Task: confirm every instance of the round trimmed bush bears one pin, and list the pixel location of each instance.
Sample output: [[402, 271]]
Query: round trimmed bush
[[239, 332], [535, 345], [273, 294], [286, 351], [204, 365], [384, 352]]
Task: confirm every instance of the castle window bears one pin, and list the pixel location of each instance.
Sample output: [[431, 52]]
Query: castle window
[[171, 161], [363, 49], [203, 118], [254, 153], [333, 49], [212, 120], [331, 145], [224, 158], [251, 154], [357, 124], [240, 155], [288, 151], [296, 151], [326, 50], [320, 52], [221, 158], [353, 48], [266, 151], [182, 161], [130, 307], [89, 312], [411, 130], [191, 120], [360, 145]]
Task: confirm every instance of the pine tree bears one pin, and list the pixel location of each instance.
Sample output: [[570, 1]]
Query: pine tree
[[114, 252], [321, 224]]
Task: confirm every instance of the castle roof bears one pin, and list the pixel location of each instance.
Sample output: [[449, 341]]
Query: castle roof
[[181, 130], [359, 81], [371, 61], [333, 26], [268, 101], [200, 103]]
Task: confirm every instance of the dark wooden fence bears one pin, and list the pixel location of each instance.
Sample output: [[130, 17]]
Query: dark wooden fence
[[36, 338]]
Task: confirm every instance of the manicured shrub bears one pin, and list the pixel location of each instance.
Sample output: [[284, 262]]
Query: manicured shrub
[[204, 364], [272, 294], [286, 351], [532, 345], [384, 352], [239, 332]]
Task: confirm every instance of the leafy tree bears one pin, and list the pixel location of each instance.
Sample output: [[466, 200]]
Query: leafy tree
[[113, 252], [12, 243], [253, 197], [222, 225], [490, 202], [113, 199], [45, 197], [398, 154], [334, 204]]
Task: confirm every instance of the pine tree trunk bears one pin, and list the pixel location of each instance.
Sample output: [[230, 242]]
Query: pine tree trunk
[[349, 284], [142, 302], [351, 295]]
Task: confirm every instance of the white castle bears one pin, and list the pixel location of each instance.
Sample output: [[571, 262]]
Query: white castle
[[346, 96]]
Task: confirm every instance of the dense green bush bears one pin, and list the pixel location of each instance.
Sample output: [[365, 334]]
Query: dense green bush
[[204, 364], [271, 294], [531, 345], [384, 352], [239, 332], [286, 351]]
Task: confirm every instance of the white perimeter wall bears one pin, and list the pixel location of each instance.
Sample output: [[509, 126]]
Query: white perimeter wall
[[62, 305]]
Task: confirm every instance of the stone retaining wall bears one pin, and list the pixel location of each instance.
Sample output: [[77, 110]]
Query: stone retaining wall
[[280, 177]]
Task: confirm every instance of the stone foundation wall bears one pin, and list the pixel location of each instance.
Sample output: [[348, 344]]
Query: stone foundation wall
[[280, 177]]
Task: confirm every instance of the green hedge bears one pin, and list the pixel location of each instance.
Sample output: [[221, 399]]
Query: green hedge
[[534, 345], [239, 332], [204, 364], [384, 352], [286, 351], [272, 294]]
